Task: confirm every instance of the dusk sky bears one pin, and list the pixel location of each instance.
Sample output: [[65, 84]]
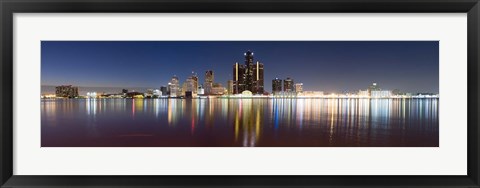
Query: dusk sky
[[330, 66]]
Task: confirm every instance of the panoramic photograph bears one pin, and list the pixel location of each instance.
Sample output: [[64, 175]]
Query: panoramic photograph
[[239, 94]]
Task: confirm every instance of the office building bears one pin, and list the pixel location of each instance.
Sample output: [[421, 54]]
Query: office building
[[208, 84], [288, 85], [183, 89], [164, 91], [276, 86], [299, 88], [174, 87], [230, 87], [312, 94], [190, 85], [258, 83], [380, 94], [217, 89], [66, 91], [363, 93], [238, 78], [200, 90], [195, 82], [248, 76], [373, 87]]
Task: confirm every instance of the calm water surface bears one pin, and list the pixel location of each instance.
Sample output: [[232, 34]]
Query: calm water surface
[[239, 122]]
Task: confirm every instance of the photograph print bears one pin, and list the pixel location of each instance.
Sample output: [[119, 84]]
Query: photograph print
[[239, 94]]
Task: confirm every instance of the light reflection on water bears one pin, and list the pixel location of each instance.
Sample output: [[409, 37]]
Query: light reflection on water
[[240, 122]]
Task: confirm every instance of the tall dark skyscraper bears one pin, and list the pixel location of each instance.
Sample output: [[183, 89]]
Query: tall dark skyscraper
[[258, 84], [276, 86], [288, 85], [249, 76], [238, 78], [195, 81]]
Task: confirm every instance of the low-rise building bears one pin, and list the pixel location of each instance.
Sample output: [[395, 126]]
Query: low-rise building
[[381, 94]]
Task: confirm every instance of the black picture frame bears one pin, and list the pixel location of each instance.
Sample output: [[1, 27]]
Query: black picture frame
[[9, 7]]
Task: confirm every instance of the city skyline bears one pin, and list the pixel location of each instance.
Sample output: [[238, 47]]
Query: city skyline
[[331, 66]]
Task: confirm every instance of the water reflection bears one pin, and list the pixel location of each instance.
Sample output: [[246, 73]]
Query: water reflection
[[240, 122]]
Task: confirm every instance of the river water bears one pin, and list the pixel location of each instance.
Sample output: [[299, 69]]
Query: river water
[[240, 122]]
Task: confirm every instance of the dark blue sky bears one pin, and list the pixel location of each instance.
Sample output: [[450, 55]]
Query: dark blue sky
[[331, 66]]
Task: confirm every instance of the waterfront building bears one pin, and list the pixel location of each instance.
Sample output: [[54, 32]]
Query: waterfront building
[[200, 90], [373, 87], [238, 78], [149, 93], [157, 93], [195, 82], [396, 92], [313, 94], [66, 91], [258, 83], [246, 93], [299, 88], [208, 84], [288, 85], [217, 89], [135, 94], [249, 76], [363, 93], [91, 94], [164, 90], [276, 86], [188, 94], [381, 94], [183, 89], [230, 87], [174, 87], [48, 96], [190, 85]]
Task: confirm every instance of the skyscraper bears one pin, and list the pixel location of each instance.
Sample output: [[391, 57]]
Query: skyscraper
[[249, 76], [288, 85], [208, 84], [258, 84], [238, 78], [230, 87], [195, 82], [276, 86], [174, 87], [249, 73], [190, 85]]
